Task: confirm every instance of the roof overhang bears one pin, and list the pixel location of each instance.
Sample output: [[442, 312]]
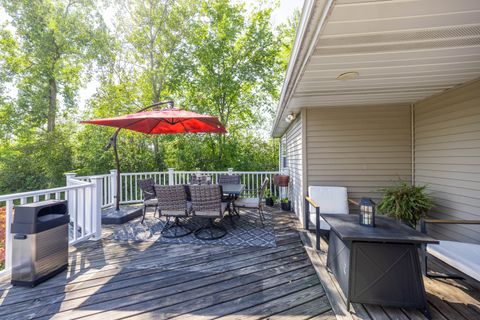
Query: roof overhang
[[402, 50]]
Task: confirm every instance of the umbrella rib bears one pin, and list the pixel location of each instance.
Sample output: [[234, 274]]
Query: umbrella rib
[[160, 120], [181, 122], [131, 124]]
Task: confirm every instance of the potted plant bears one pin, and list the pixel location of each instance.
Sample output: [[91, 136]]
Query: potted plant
[[268, 198], [407, 203], [285, 204], [281, 180]]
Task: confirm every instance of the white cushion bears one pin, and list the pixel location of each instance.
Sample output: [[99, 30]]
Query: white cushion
[[247, 203], [463, 256], [331, 200], [313, 223]]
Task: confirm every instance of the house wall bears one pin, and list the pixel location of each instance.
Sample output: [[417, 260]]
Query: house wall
[[447, 158], [363, 148], [293, 138]]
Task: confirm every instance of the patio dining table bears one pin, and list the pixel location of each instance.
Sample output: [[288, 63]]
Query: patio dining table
[[232, 191], [377, 265]]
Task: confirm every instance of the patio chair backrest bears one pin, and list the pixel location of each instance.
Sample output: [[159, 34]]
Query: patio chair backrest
[[148, 188], [228, 179], [261, 192], [200, 179], [206, 200], [333, 200], [172, 200]]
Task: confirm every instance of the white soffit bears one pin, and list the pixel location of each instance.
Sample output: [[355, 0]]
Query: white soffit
[[403, 50]]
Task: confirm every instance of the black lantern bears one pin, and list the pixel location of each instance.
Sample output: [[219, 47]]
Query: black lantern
[[367, 212]]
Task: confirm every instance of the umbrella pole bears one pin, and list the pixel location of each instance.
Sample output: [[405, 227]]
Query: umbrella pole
[[113, 142], [117, 162]]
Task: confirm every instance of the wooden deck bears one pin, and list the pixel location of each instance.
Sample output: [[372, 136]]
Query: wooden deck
[[151, 280], [447, 298]]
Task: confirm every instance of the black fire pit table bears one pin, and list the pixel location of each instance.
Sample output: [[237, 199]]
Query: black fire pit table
[[377, 265]]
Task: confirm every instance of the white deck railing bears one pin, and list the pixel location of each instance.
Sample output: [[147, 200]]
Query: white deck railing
[[85, 215], [131, 193], [87, 195]]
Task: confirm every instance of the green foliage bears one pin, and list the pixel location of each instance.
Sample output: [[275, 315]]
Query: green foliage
[[284, 200], [26, 164], [212, 57], [49, 54], [405, 202]]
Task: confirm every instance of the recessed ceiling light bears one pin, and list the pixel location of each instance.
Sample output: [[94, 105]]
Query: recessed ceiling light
[[350, 75]]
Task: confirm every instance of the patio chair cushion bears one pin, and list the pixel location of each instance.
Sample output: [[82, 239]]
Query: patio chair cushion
[[462, 256], [331, 200], [212, 213], [247, 203], [150, 202]]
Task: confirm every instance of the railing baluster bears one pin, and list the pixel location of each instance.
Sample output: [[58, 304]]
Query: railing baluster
[[135, 188], [84, 215], [131, 189], [75, 220], [8, 234]]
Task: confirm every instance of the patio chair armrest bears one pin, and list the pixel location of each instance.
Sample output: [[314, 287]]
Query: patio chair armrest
[[450, 221], [309, 201], [313, 203], [149, 194], [425, 221], [353, 202]]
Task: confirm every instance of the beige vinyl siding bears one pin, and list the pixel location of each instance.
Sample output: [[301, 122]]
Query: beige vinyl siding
[[293, 138], [362, 148], [447, 157]]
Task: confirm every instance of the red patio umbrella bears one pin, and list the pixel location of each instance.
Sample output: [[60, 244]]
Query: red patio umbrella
[[169, 120]]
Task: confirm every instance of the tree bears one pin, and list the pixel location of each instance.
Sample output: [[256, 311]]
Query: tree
[[233, 56], [52, 49]]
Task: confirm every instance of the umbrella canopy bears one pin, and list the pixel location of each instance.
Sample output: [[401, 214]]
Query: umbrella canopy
[[165, 121]]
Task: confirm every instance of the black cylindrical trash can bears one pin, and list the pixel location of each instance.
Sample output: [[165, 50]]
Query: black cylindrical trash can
[[40, 241]]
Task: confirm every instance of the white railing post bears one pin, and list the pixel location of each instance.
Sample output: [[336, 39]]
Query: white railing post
[[171, 176], [113, 185], [96, 205], [69, 195], [230, 171], [8, 235], [68, 177]]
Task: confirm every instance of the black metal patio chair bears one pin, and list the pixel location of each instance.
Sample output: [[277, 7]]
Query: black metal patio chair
[[253, 203]]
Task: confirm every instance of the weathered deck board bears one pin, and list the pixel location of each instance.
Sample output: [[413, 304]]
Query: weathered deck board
[[447, 298], [111, 280], [148, 280]]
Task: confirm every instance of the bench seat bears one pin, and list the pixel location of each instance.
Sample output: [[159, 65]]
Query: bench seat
[[464, 257]]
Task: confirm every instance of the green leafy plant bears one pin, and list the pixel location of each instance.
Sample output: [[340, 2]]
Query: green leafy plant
[[274, 198], [405, 202], [284, 200], [267, 194]]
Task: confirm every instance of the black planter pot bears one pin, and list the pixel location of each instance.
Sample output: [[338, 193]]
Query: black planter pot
[[286, 206], [269, 202]]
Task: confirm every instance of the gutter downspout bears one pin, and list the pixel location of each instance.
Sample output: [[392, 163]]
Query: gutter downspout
[[412, 134]]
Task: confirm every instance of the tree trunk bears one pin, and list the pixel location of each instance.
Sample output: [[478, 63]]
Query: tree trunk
[[156, 153], [52, 106]]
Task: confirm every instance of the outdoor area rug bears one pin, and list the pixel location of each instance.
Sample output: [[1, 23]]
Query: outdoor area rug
[[248, 231]]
